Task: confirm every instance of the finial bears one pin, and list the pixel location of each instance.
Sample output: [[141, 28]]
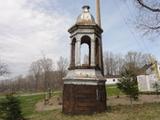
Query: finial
[[85, 8]]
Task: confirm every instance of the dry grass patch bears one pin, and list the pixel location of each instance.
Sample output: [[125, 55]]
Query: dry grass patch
[[136, 112], [53, 104]]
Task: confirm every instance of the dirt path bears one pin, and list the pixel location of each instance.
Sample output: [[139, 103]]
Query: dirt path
[[53, 103]]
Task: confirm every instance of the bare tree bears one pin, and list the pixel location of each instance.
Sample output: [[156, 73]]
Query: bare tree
[[137, 58], [112, 63], [137, 62], [149, 19], [36, 71], [47, 68], [62, 65], [107, 62], [151, 7], [41, 77], [3, 69]]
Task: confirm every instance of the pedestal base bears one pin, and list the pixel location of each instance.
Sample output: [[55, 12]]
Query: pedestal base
[[84, 97]]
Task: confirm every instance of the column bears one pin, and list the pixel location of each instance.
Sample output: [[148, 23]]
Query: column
[[78, 53], [71, 64], [89, 56], [93, 52], [97, 52], [99, 57]]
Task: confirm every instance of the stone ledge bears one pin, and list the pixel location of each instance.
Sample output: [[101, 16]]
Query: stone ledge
[[84, 82], [83, 67]]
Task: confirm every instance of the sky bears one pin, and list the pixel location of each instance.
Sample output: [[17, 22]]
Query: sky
[[32, 28]]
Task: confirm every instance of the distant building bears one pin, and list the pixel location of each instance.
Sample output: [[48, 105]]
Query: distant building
[[112, 80], [158, 67], [149, 78], [145, 82]]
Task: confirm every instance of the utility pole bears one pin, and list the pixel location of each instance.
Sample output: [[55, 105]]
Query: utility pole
[[98, 13]]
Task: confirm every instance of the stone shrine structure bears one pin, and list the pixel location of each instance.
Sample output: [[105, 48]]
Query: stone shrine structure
[[84, 86]]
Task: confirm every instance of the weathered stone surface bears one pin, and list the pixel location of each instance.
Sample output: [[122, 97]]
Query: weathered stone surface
[[85, 74], [84, 85], [84, 99]]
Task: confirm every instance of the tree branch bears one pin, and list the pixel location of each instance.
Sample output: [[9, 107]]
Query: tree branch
[[141, 2], [152, 27], [3, 69]]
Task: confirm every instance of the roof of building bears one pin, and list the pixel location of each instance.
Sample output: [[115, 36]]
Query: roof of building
[[85, 18], [148, 68]]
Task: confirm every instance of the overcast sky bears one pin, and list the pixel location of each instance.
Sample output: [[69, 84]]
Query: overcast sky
[[29, 28]]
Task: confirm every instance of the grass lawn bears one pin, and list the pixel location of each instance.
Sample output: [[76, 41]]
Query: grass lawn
[[136, 112], [28, 103], [126, 112], [112, 90]]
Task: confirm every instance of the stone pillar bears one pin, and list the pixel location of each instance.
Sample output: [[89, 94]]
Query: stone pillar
[[89, 56], [100, 55], [71, 55], [78, 53], [93, 52]]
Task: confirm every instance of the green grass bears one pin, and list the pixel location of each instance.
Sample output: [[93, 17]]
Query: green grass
[[112, 90], [28, 104], [135, 112]]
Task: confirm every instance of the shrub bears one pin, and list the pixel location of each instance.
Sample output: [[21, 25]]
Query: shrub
[[10, 108], [128, 84]]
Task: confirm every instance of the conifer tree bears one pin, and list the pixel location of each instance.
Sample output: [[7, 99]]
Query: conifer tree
[[10, 108], [128, 84]]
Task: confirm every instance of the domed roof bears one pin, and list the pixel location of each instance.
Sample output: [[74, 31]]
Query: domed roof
[[85, 18]]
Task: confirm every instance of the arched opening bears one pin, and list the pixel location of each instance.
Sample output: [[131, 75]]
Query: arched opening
[[97, 52], [85, 51], [84, 54], [73, 53]]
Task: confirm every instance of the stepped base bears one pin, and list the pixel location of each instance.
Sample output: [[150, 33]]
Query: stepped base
[[84, 96]]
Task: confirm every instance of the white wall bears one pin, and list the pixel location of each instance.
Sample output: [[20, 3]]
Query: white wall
[[145, 82], [111, 81], [159, 68]]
